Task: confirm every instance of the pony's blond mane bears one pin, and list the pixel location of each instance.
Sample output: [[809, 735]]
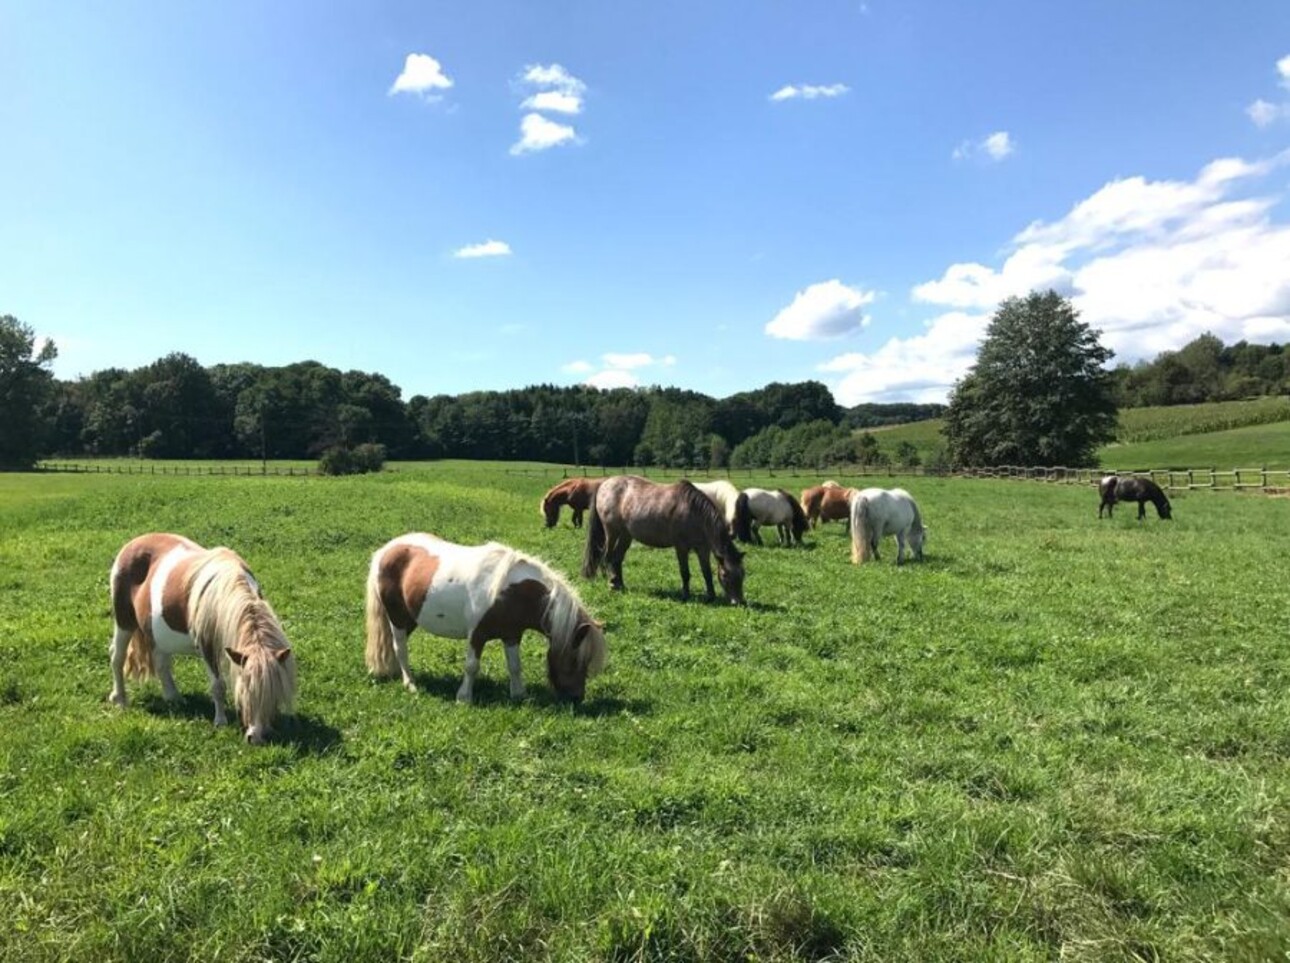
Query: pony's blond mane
[[564, 609], [226, 611]]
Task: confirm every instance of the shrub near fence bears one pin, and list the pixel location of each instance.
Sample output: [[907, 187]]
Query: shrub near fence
[[1269, 480]]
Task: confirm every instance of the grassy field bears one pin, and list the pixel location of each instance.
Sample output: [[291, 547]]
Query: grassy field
[[1227, 434], [1056, 738]]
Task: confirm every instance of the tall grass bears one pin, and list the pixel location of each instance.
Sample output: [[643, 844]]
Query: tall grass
[[1056, 738]]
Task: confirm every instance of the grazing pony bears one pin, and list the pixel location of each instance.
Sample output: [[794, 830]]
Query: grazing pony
[[678, 516], [1141, 490], [777, 508], [577, 493], [876, 512], [172, 597], [829, 502], [726, 497], [477, 593]]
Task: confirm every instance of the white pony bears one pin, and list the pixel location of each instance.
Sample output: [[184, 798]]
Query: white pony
[[726, 497], [876, 512], [777, 508], [477, 593]]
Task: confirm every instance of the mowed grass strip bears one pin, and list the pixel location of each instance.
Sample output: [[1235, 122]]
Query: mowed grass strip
[[1056, 738]]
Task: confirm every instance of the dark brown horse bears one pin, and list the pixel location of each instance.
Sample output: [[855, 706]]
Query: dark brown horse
[[1141, 490], [829, 502], [675, 516], [577, 493]]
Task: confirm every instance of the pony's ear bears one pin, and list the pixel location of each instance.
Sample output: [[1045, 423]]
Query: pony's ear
[[237, 657], [580, 633], [282, 654]]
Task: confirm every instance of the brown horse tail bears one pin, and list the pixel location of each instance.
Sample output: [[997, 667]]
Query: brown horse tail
[[138, 656], [594, 556], [861, 536], [743, 518], [380, 637]]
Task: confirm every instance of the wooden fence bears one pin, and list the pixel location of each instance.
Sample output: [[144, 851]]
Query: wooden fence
[[1267, 480], [92, 468]]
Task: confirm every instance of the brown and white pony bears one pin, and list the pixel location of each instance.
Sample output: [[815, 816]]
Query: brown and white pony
[[675, 516], [477, 593], [577, 493], [172, 597], [829, 502]]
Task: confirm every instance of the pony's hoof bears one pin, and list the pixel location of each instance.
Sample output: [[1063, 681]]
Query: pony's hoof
[[117, 699], [463, 699], [220, 721], [411, 687]]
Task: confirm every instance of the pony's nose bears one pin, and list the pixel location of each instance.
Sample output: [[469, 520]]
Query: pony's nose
[[255, 737]]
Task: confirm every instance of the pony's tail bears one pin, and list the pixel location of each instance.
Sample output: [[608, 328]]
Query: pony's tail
[[861, 537], [743, 518], [138, 656], [594, 556], [380, 638]]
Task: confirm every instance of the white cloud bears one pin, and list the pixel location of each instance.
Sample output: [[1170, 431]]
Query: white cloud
[[994, 146], [485, 249], [553, 76], [422, 74], [1264, 112], [537, 133], [809, 91], [613, 379], [1151, 264], [577, 367], [556, 101], [829, 309]]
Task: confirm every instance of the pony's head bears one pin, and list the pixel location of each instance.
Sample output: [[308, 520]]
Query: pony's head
[[551, 509], [917, 539], [730, 573], [263, 685], [569, 666], [1164, 509]]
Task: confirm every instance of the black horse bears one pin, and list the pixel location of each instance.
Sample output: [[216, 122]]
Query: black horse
[[1140, 490]]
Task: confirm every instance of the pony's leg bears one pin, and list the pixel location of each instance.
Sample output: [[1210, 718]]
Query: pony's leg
[[116, 652], [705, 568], [400, 639], [467, 691], [164, 663], [900, 548], [211, 661], [683, 563], [577, 518], [756, 530], [512, 647], [1142, 510], [615, 554]]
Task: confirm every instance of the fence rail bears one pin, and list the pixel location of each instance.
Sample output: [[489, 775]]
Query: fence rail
[[90, 468], [1262, 479]]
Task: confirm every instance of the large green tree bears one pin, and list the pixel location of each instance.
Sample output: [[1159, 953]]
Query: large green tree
[[1038, 393], [26, 384]]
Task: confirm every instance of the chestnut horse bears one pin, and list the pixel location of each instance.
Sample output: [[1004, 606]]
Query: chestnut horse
[[172, 597], [678, 516], [1141, 490], [577, 493], [829, 502], [477, 593]]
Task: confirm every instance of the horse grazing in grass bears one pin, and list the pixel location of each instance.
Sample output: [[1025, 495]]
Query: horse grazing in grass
[[726, 497], [777, 508], [829, 502], [477, 593], [577, 493], [172, 597], [876, 512], [677, 516], [1141, 490]]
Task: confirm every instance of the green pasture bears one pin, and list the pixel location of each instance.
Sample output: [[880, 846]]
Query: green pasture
[[1255, 446], [1057, 738]]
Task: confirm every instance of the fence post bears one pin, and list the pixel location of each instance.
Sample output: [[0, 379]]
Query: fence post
[[1263, 475]]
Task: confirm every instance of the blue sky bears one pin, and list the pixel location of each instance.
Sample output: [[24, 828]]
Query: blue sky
[[711, 195]]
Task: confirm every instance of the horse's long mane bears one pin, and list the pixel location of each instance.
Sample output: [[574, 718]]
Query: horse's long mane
[[714, 522], [799, 516], [226, 611], [564, 610]]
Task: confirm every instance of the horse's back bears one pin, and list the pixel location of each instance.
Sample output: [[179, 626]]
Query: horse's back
[[140, 574]]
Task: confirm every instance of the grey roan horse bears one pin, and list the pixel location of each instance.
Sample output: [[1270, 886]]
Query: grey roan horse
[[662, 516]]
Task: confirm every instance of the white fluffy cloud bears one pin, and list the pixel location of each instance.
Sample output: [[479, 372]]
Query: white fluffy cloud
[[538, 133], [1152, 264], [1264, 112], [555, 90], [618, 368], [994, 147], [485, 249], [829, 309], [809, 91], [423, 75]]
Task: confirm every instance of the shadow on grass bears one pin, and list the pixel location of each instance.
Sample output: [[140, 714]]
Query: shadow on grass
[[309, 735], [492, 693], [720, 602]]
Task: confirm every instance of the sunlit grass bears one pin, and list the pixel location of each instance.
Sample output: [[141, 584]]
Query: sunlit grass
[[1057, 738]]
